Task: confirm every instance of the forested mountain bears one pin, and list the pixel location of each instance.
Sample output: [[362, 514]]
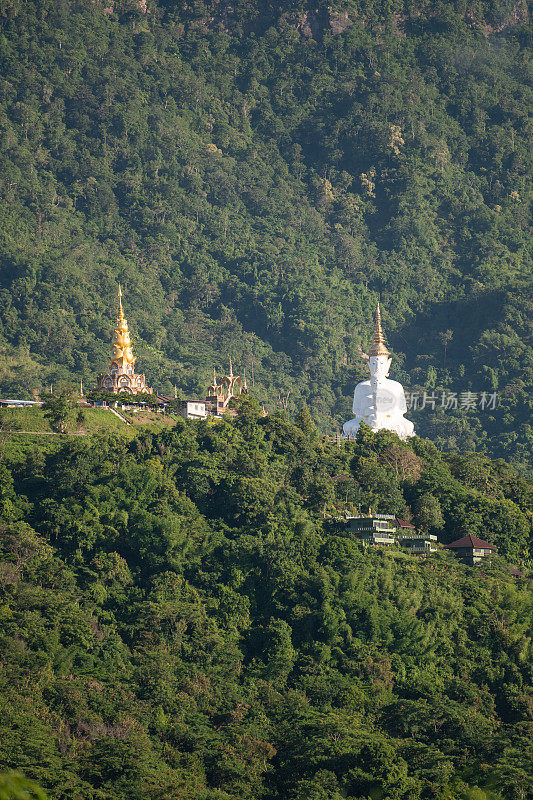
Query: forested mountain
[[257, 175], [180, 615], [180, 619]]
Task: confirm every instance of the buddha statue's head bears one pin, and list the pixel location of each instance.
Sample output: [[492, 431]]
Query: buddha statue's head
[[379, 367]]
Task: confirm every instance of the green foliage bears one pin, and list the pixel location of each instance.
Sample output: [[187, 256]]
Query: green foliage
[[178, 619], [257, 175], [14, 786], [139, 398], [428, 513], [179, 616], [56, 408], [304, 420]]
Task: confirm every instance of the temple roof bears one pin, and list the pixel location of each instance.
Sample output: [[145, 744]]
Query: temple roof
[[468, 542], [229, 384]]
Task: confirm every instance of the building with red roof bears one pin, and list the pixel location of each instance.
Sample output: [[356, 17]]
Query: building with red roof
[[403, 525], [472, 550]]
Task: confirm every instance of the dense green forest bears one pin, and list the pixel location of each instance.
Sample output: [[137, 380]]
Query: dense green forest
[[182, 618], [257, 175], [182, 615]]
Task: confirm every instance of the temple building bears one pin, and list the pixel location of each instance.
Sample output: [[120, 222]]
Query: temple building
[[121, 376], [219, 394], [380, 402]]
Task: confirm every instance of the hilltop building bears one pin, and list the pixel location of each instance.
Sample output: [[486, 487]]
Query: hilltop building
[[418, 543], [380, 402], [374, 530], [219, 394], [217, 399], [472, 550], [414, 541], [378, 530], [193, 409], [121, 376]]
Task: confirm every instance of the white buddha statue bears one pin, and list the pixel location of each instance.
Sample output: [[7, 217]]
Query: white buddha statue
[[379, 402]]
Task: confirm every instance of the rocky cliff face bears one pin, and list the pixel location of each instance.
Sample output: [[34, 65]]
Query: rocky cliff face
[[314, 21]]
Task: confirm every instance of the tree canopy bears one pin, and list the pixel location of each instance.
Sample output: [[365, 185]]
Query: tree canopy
[[181, 617], [257, 175]]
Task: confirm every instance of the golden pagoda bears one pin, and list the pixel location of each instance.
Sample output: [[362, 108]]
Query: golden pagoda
[[121, 376]]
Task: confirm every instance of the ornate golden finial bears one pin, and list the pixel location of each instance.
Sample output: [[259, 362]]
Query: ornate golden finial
[[379, 347], [120, 311], [230, 375], [214, 377]]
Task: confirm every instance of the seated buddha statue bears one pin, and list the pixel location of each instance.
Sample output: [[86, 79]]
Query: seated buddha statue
[[380, 402]]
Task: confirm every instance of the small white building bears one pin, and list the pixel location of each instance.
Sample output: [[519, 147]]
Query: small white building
[[193, 409]]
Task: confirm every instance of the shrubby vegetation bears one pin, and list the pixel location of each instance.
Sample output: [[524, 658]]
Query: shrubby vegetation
[[257, 175], [180, 618], [139, 398]]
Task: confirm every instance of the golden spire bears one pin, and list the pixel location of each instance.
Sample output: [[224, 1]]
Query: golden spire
[[120, 311], [379, 347], [121, 352], [230, 375]]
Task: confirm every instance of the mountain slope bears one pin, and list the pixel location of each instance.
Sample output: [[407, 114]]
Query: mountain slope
[[257, 177], [178, 620]]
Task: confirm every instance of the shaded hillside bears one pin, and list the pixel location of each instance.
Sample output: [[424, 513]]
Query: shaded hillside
[[257, 175], [178, 621]]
